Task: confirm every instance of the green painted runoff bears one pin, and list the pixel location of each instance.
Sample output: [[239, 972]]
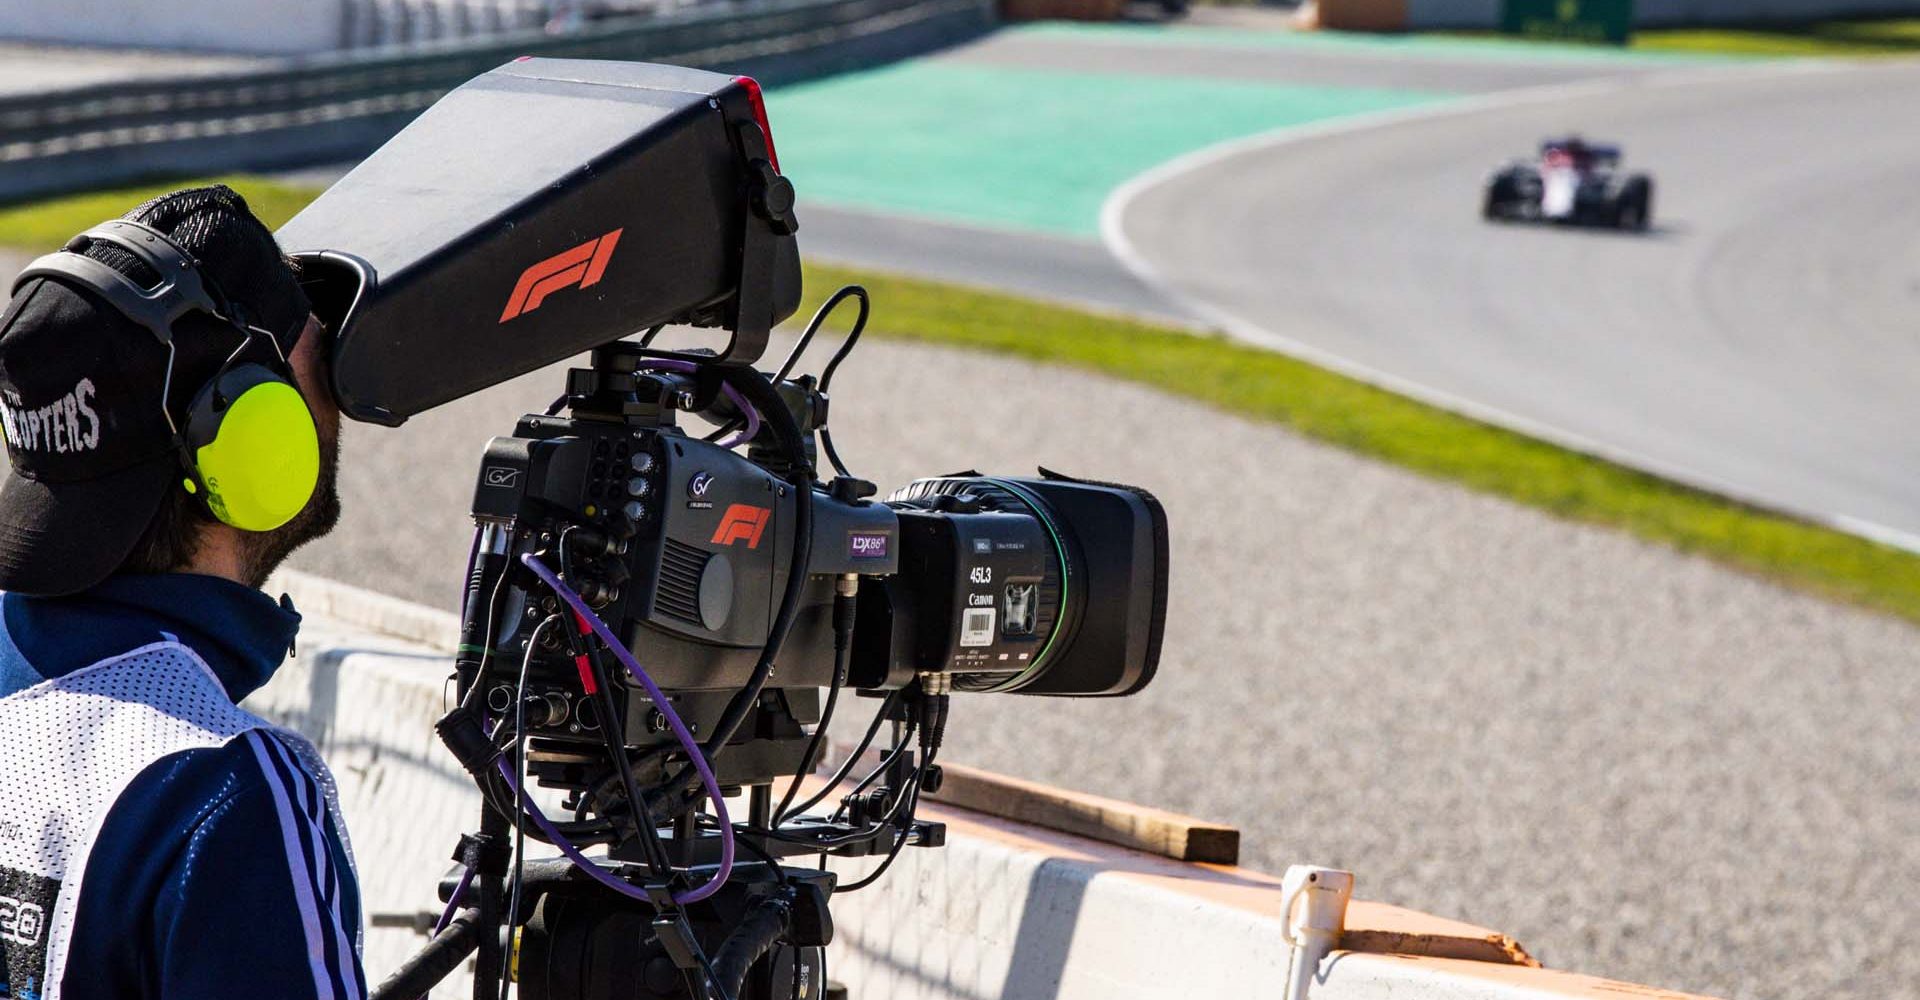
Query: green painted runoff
[[1417, 45], [1034, 150]]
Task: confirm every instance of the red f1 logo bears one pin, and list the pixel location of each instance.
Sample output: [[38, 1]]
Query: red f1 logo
[[583, 265], [743, 522]]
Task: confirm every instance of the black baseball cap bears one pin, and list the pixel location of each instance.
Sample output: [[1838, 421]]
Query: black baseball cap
[[81, 386]]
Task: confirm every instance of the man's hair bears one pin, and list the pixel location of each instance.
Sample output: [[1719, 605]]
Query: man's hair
[[237, 252], [172, 538]]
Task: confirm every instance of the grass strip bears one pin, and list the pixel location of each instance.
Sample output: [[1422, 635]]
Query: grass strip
[[1880, 37], [1264, 386], [1827, 39], [1358, 417], [45, 225]]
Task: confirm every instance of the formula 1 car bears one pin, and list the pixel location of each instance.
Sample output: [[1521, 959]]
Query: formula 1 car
[[1572, 182]]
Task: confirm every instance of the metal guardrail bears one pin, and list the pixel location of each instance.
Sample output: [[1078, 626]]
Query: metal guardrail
[[344, 105]]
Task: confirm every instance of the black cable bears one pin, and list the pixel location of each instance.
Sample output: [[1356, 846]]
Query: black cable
[[786, 430], [872, 828], [581, 636], [901, 804], [519, 822], [833, 455], [487, 641], [683, 786], [846, 347], [843, 611], [886, 763], [813, 327], [853, 760], [932, 734], [657, 861], [773, 863], [886, 862], [713, 978]]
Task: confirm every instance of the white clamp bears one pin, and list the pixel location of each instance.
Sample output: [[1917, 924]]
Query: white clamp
[[1315, 910]]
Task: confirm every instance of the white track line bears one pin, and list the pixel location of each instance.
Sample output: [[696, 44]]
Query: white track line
[[1113, 233]]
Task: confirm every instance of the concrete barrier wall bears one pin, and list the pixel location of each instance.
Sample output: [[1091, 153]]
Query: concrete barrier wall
[[1005, 911]]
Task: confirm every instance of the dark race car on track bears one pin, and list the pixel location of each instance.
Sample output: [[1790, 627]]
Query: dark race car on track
[[1574, 182]]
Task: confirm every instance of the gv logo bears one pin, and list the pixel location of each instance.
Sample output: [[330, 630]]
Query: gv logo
[[583, 265], [501, 476]]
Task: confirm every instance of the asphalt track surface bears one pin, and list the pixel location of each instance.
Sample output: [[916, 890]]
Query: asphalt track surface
[[1759, 340]]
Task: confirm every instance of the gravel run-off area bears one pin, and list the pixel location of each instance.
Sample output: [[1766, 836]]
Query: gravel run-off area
[[1641, 764]]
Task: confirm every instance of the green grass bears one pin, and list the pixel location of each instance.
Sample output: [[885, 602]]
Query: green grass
[[1880, 37], [1356, 416], [1271, 387], [45, 225], [1825, 38]]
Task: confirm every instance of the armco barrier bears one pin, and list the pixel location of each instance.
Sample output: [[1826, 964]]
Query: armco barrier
[[1005, 911], [339, 107]]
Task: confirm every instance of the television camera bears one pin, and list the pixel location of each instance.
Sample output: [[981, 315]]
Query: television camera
[[653, 610]]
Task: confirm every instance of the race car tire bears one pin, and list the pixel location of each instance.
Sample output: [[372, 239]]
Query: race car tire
[[1501, 197], [1635, 207]]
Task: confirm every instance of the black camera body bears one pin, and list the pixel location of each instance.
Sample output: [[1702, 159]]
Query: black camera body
[[999, 584], [651, 616]]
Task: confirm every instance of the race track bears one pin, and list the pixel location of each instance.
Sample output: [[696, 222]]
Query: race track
[[1642, 764], [1760, 340]]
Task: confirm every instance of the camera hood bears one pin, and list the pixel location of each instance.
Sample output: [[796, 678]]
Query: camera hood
[[541, 209]]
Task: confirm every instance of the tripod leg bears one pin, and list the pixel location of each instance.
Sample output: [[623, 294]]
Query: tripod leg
[[488, 889]]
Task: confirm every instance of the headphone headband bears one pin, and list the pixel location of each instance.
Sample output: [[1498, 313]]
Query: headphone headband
[[180, 290]]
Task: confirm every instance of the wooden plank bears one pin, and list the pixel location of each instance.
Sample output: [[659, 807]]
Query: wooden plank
[[1110, 821]]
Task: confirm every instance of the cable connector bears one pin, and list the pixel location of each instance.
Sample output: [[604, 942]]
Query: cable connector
[[466, 738], [1314, 906]]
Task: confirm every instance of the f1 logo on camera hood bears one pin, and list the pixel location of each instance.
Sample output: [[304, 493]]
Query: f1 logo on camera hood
[[453, 258]]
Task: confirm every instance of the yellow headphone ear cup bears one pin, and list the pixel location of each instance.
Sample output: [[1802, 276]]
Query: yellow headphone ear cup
[[261, 467]]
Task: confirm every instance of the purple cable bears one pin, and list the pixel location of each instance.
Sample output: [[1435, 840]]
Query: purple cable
[[585, 864], [453, 902], [689, 368], [679, 728]]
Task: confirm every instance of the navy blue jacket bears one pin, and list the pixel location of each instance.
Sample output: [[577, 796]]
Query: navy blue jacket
[[202, 884]]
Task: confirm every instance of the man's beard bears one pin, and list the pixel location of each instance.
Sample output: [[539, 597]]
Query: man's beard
[[262, 552]]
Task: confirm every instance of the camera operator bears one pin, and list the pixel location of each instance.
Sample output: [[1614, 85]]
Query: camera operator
[[155, 839]]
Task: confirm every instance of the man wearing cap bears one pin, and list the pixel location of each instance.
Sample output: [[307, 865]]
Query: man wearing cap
[[171, 440]]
